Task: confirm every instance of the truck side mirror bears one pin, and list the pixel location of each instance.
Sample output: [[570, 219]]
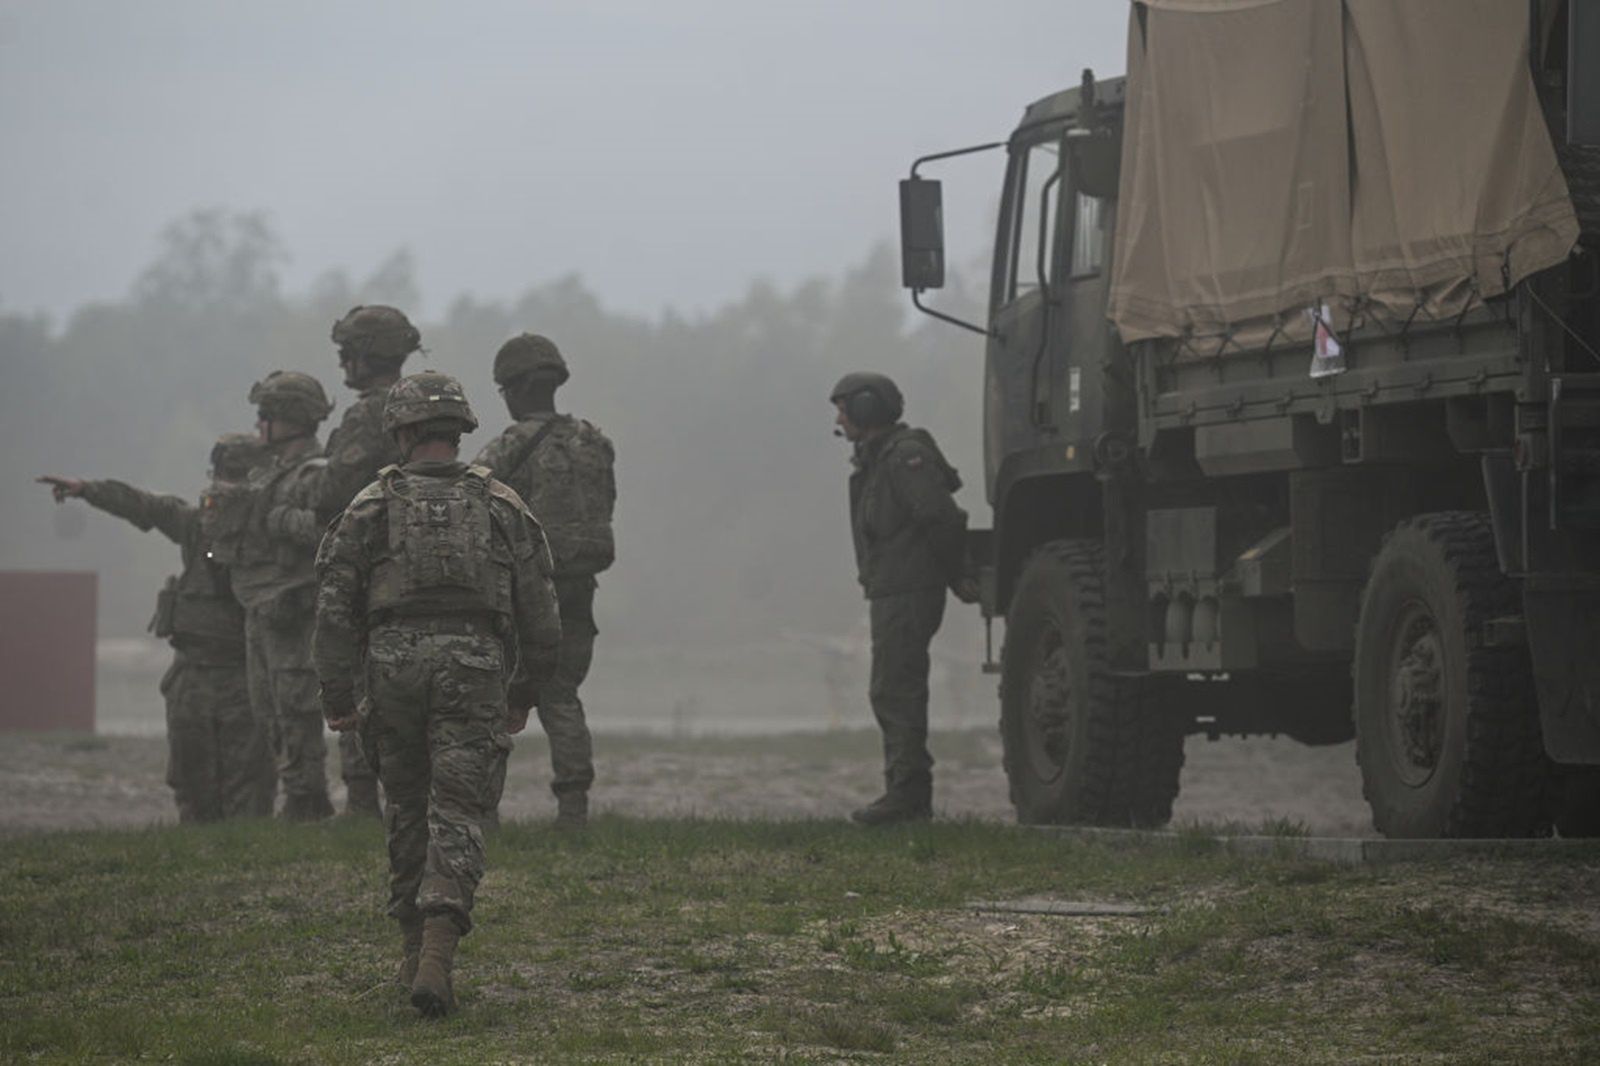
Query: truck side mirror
[[921, 234]]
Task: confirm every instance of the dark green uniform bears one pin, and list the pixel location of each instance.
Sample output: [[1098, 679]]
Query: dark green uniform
[[435, 586], [219, 762], [562, 467], [909, 537]]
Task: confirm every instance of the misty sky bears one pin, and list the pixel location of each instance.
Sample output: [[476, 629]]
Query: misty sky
[[669, 151]]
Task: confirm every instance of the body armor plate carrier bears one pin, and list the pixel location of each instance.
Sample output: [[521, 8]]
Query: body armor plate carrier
[[441, 557]]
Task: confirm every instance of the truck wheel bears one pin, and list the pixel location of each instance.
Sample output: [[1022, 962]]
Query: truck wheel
[[1447, 733], [1081, 744]]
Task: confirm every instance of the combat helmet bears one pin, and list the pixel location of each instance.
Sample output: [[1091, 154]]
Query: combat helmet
[[869, 399], [529, 353], [292, 396], [378, 331], [235, 454], [427, 397]]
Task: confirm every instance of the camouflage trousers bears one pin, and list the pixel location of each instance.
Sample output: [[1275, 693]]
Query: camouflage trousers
[[560, 708], [437, 700], [219, 760], [284, 694], [903, 624]]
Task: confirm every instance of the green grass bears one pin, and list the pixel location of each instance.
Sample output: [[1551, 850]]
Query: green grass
[[687, 941]]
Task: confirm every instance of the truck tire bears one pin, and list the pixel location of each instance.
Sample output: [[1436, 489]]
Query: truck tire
[[1082, 745], [1447, 730]]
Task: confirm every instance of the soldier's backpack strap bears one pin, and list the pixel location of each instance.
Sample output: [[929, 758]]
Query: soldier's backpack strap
[[526, 449], [391, 482]]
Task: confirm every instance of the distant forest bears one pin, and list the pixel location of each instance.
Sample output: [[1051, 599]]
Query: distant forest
[[731, 514]]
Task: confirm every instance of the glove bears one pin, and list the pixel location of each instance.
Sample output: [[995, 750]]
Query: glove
[[339, 710], [516, 719]]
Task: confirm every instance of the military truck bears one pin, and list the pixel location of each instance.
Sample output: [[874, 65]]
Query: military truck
[[1292, 409]]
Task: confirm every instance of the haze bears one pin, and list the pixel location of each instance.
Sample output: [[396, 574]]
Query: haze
[[666, 152], [697, 200]]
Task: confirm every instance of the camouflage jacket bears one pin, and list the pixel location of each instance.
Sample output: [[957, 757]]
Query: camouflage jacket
[[196, 611], [267, 530], [357, 450], [360, 544], [567, 481], [909, 533]]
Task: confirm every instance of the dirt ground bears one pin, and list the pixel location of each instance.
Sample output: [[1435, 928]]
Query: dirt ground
[[56, 781]]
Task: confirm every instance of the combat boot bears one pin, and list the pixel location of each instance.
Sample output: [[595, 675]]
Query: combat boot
[[907, 802], [572, 810], [297, 808], [411, 949], [361, 798], [431, 991]]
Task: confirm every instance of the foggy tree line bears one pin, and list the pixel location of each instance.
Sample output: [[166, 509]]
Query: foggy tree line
[[731, 515]]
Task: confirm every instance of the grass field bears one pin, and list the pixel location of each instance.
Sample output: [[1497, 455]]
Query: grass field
[[259, 943]]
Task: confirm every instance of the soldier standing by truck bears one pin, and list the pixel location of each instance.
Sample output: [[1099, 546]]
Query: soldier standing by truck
[[219, 763], [909, 537], [373, 342], [562, 467], [267, 534], [435, 586]]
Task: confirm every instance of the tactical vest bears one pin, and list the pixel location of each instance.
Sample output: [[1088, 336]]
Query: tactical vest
[[235, 518], [441, 556], [199, 607], [225, 517]]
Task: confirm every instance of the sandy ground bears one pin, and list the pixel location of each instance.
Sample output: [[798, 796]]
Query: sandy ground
[[774, 730], [77, 782]]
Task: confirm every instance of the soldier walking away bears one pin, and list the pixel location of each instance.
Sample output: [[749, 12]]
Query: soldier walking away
[[219, 761], [373, 342], [434, 584], [562, 468], [267, 534], [910, 545]]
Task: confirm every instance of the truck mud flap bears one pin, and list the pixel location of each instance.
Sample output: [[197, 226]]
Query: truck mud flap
[[1563, 628]]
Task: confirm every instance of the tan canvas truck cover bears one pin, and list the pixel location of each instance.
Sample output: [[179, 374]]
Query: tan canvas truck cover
[[1380, 159]]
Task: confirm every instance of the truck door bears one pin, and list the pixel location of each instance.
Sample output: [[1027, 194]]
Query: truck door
[[1019, 384]]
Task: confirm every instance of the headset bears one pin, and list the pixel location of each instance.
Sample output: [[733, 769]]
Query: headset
[[868, 410]]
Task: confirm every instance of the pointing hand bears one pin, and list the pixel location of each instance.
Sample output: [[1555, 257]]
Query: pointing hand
[[63, 488]]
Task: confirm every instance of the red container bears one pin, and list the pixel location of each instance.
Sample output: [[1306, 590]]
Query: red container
[[47, 639]]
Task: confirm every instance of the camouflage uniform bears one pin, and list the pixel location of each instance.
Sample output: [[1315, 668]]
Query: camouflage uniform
[[567, 482], [373, 342], [909, 543], [434, 586], [219, 763], [357, 449], [267, 533]]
